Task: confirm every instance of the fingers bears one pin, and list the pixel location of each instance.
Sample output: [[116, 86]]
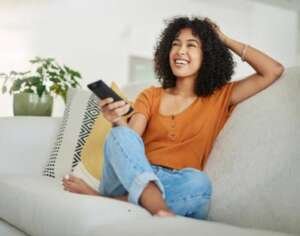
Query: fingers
[[104, 102], [115, 105], [113, 111], [122, 110], [108, 104], [209, 21], [116, 115], [109, 101], [213, 24], [217, 30]]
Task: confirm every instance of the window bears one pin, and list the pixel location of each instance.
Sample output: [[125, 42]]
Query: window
[[141, 69]]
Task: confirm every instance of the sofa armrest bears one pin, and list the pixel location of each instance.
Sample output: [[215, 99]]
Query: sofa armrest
[[25, 143], [40, 206]]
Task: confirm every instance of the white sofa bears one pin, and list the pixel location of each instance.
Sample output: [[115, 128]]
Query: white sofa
[[254, 167]]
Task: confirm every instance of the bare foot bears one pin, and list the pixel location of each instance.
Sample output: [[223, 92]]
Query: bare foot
[[76, 185], [163, 213], [152, 200]]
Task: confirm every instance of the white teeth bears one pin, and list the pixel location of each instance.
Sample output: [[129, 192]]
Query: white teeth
[[181, 62]]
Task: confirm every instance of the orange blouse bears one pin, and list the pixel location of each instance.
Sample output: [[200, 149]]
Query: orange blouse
[[186, 139]]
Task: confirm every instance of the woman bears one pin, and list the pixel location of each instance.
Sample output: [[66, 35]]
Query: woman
[[156, 159]]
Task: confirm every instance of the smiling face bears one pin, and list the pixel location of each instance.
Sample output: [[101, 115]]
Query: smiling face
[[185, 56]]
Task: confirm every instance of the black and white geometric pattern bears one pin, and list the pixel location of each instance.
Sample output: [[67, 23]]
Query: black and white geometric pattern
[[49, 169], [90, 115]]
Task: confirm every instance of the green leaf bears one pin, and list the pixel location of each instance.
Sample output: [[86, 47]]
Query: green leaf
[[55, 79], [49, 60], [35, 60], [13, 73], [40, 90], [67, 69], [55, 88], [64, 95], [34, 80], [39, 70], [24, 73], [17, 85], [62, 76], [52, 73], [55, 67], [76, 74], [48, 70]]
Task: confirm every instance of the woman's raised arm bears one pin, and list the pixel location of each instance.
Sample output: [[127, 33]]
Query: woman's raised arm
[[267, 69]]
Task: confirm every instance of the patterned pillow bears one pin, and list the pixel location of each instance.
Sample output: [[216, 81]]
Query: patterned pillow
[[79, 144]]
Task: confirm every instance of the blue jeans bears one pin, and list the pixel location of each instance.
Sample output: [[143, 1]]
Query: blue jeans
[[187, 192]]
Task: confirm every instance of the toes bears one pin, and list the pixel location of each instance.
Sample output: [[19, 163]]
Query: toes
[[66, 188], [69, 186], [66, 177], [66, 184], [74, 178], [74, 184]]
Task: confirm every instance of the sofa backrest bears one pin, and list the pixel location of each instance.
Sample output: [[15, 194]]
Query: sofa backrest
[[255, 162]]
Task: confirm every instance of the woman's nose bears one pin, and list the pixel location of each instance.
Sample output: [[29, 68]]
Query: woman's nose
[[182, 50]]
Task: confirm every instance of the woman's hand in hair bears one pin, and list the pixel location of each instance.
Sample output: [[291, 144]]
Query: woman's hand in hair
[[216, 28]]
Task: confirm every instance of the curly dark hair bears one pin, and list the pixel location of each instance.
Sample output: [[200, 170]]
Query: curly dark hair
[[217, 64]]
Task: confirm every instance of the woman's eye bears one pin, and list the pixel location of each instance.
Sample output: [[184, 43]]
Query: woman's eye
[[175, 44], [192, 45]]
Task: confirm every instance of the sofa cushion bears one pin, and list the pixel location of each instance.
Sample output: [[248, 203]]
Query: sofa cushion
[[79, 146], [255, 162], [8, 230], [176, 226], [39, 206]]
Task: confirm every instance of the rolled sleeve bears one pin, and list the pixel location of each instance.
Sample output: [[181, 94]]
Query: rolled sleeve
[[225, 97], [143, 102], [223, 104]]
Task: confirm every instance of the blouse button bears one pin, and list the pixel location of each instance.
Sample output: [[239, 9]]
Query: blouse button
[[172, 136]]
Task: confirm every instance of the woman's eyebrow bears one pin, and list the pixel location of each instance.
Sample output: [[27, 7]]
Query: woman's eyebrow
[[194, 40], [189, 40]]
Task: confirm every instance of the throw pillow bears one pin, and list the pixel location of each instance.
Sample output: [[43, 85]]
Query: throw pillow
[[79, 144]]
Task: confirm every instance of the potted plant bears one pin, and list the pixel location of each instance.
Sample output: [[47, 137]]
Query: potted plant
[[33, 90]]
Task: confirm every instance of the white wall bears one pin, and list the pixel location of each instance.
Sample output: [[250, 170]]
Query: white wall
[[97, 37]]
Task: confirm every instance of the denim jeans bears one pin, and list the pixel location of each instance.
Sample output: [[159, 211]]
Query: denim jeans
[[187, 192]]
